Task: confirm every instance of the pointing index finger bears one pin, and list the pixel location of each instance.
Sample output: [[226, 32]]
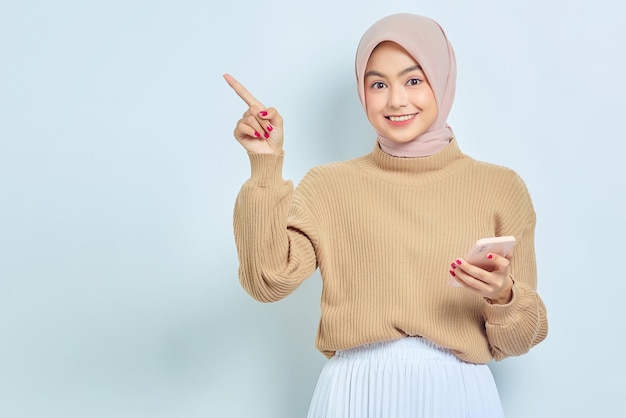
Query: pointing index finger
[[241, 91]]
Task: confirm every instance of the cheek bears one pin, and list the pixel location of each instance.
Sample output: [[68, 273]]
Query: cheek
[[370, 106], [428, 99], [368, 102], [371, 116], [374, 102], [425, 97], [425, 100]]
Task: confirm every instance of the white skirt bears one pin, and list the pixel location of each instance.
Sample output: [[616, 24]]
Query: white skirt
[[409, 377]]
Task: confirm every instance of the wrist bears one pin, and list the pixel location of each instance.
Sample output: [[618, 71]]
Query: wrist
[[500, 301], [505, 298]]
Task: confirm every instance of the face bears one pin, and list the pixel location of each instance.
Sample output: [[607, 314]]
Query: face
[[399, 101]]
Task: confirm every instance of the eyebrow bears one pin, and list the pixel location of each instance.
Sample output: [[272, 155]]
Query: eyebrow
[[371, 73]]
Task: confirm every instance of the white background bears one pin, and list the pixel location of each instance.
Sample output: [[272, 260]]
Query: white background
[[119, 294]]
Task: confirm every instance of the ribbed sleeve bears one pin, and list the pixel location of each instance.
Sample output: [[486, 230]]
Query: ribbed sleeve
[[383, 232], [273, 257], [515, 328]]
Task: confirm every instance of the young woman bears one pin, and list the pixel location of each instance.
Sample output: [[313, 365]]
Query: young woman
[[387, 231]]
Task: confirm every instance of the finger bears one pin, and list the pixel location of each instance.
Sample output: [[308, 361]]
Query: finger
[[500, 263], [270, 119], [272, 115], [463, 268], [243, 131], [467, 281], [242, 92], [262, 120], [249, 126]]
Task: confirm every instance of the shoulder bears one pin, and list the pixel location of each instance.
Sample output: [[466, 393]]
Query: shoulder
[[503, 185], [496, 173], [336, 171], [324, 183], [337, 166], [491, 168]]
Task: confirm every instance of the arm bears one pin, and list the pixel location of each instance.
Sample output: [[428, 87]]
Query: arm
[[274, 256], [514, 314], [517, 326], [275, 253]]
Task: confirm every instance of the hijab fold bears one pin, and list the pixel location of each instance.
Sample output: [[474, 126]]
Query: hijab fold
[[426, 42]]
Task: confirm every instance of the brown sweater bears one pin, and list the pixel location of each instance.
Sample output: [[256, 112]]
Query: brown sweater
[[383, 231]]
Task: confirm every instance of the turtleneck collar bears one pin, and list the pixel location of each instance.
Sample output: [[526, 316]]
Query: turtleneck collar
[[414, 170]]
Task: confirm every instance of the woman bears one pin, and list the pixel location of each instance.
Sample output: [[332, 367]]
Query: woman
[[386, 231]]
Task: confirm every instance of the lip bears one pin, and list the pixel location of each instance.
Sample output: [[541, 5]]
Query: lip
[[402, 122]]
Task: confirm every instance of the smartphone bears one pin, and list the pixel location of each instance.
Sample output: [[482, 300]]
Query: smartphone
[[498, 245], [478, 253]]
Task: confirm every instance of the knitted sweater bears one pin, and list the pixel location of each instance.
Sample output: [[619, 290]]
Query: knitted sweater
[[383, 231]]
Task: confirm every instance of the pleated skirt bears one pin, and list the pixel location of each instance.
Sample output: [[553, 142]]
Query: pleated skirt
[[409, 377]]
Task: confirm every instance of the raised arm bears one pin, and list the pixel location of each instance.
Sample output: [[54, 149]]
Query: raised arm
[[275, 252]]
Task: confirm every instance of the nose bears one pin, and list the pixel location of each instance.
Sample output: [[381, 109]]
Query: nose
[[398, 97]]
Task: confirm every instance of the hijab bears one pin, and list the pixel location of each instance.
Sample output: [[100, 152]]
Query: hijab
[[426, 42]]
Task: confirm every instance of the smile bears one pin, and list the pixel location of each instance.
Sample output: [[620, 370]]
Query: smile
[[402, 118]]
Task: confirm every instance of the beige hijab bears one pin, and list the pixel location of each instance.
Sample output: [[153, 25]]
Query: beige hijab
[[427, 43]]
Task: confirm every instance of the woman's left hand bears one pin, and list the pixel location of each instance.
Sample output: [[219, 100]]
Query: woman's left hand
[[496, 285]]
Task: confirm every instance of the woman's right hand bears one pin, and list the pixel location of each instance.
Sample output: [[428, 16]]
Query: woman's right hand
[[260, 129]]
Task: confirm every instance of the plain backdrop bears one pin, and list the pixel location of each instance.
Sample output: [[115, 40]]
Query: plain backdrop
[[119, 294]]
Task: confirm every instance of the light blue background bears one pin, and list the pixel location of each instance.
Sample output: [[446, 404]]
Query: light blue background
[[119, 294]]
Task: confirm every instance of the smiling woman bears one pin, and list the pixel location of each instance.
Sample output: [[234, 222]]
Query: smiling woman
[[399, 102], [383, 230], [434, 56], [118, 173]]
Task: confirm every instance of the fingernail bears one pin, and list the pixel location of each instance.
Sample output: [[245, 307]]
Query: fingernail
[[489, 255], [453, 265], [258, 135], [458, 262], [452, 273], [269, 128], [266, 135], [263, 113]]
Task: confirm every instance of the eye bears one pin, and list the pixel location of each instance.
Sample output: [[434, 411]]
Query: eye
[[413, 82], [378, 85]]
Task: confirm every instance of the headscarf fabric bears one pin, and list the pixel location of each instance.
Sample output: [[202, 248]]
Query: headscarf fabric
[[425, 40]]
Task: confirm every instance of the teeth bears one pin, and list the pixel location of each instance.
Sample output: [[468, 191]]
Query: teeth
[[400, 118]]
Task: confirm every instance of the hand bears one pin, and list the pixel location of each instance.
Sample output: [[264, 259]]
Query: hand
[[260, 129], [496, 285]]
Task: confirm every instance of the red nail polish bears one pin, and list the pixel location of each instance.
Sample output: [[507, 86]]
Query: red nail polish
[[266, 135], [453, 265], [263, 113], [489, 255], [452, 273], [458, 262], [258, 135], [269, 128]]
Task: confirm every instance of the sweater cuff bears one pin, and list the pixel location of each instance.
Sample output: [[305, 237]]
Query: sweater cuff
[[503, 314], [266, 169]]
